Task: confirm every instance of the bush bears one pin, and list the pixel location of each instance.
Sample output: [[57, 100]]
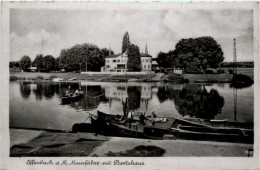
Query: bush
[[13, 78], [230, 71], [52, 77], [241, 81], [221, 71], [209, 72], [178, 78], [39, 77]]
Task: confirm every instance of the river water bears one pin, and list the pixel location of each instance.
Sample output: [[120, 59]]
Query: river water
[[38, 105]]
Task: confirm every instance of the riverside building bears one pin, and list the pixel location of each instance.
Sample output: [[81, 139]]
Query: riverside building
[[118, 62]]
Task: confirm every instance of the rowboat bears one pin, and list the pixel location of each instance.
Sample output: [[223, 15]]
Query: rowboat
[[156, 128], [214, 134], [72, 97]]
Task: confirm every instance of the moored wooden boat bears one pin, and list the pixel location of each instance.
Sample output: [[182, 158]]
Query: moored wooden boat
[[156, 128], [224, 135]]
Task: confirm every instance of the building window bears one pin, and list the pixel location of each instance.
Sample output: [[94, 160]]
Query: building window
[[148, 66], [114, 61], [144, 66]]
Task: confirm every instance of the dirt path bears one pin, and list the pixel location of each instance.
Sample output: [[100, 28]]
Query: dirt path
[[168, 148], [88, 144]]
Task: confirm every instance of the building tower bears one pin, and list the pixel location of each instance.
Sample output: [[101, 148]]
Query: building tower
[[146, 51]]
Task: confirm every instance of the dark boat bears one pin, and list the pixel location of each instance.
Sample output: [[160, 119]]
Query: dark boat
[[72, 97], [156, 128]]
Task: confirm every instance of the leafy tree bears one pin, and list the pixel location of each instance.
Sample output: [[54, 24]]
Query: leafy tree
[[57, 63], [126, 42], [103, 53], [134, 58], [166, 60], [48, 63], [75, 58], [193, 55], [25, 62], [196, 55], [38, 62], [14, 64]]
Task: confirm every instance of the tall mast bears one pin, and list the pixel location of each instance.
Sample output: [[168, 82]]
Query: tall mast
[[234, 58]]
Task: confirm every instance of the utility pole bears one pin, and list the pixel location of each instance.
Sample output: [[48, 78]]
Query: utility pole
[[234, 58], [235, 73], [86, 62]]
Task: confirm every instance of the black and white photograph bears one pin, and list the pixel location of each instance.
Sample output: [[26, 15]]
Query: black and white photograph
[[119, 80]]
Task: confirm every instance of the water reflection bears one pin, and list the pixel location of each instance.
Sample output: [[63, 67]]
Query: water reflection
[[214, 101], [196, 101], [25, 90]]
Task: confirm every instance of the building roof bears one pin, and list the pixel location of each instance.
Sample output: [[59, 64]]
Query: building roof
[[113, 56], [145, 55]]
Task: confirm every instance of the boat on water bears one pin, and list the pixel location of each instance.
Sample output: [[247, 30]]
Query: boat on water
[[157, 127], [57, 79], [72, 97]]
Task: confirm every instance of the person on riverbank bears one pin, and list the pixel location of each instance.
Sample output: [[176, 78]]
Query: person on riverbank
[[142, 118]]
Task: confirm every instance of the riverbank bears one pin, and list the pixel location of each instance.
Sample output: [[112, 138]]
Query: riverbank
[[77, 76], [192, 78], [88, 144]]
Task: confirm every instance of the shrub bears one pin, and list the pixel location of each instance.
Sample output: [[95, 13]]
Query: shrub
[[221, 71], [241, 81], [52, 77], [178, 78], [39, 77], [13, 78]]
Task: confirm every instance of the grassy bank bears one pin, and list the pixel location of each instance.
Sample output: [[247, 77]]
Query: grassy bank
[[209, 78], [219, 78], [34, 75], [78, 76]]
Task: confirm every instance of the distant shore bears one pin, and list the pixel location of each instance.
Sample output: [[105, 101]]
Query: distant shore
[[193, 78], [42, 143]]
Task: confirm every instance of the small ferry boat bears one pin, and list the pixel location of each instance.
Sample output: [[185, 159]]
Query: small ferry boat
[[139, 126]]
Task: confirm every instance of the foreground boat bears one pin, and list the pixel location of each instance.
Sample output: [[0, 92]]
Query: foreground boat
[[157, 128]]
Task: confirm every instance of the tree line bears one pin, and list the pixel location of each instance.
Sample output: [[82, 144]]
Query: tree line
[[71, 59], [81, 57], [193, 55]]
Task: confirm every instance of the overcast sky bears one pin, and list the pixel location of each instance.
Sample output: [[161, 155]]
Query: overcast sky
[[41, 31]]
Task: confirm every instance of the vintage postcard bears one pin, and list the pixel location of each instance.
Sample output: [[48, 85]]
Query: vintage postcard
[[129, 85]]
